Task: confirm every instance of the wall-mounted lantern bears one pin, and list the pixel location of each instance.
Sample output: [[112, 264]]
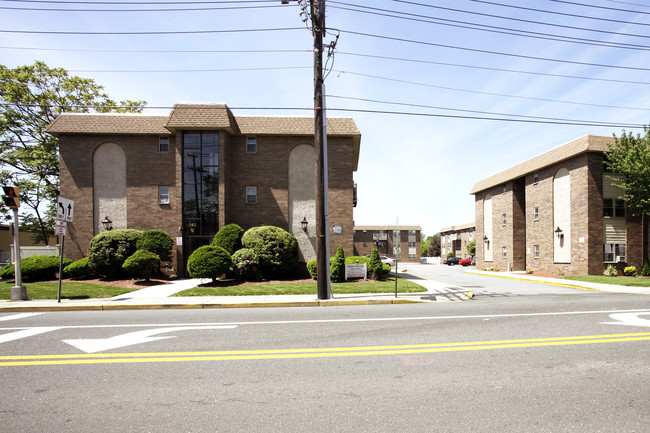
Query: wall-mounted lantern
[[303, 224], [558, 232], [108, 224]]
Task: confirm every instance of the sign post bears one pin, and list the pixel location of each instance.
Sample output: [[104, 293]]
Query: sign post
[[11, 199], [64, 214]]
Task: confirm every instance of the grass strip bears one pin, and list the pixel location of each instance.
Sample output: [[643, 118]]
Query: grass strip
[[69, 290]]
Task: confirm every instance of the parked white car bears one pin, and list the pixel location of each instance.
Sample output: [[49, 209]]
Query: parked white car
[[387, 260]]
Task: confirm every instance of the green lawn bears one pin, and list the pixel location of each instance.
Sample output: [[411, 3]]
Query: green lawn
[[69, 290], [620, 281], [388, 286]]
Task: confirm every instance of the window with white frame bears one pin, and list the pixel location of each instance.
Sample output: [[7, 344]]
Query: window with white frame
[[535, 214], [536, 251], [535, 177], [163, 144], [503, 218], [251, 144], [504, 252], [163, 195], [251, 194], [613, 253]]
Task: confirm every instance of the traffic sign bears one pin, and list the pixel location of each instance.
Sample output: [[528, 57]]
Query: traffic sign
[[64, 209], [60, 228]]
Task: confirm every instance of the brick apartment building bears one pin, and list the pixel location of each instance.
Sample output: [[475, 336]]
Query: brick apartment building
[[384, 238], [199, 168], [454, 240], [557, 213]]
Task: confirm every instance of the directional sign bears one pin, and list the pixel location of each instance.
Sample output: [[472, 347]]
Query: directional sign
[[131, 338], [64, 209]]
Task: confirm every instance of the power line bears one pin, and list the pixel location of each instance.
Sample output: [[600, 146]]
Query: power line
[[522, 116], [204, 8], [516, 71], [490, 93], [489, 28], [166, 32], [142, 2], [498, 53], [358, 110], [600, 7], [516, 19], [305, 51], [547, 12]]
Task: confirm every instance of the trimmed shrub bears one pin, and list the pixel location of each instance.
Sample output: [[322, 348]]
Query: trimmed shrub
[[375, 266], [337, 266], [645, 271], [78, 269], [108, 251], [36, 268], [209, 262], [630, 271], [158, 242], [450, 255], [7, 272], [312, 268], [246, 266], [229, 238], [276, 249], [142, 263], [610, 271]]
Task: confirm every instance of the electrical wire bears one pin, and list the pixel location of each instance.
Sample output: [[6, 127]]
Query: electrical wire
[[165, 32]]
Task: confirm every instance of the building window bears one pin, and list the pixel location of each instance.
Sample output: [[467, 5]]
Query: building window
[[412, 244], [536, 251], [613, 253], [503, 218], [412, 256], [251, 194], [200, 184], [504, 188], [614, 207], [251, 144], [535, 214], [504, 252], [365, 244], [163, 144], [163, 195], [411, 232], [535, 177]]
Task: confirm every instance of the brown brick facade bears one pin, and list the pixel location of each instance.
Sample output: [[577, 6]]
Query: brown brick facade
[[147, 169], [530, 229]]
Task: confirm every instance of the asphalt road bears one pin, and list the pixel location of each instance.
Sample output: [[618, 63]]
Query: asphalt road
[[518, 360]]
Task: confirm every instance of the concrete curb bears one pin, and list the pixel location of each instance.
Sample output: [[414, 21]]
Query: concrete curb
[[201, 306]]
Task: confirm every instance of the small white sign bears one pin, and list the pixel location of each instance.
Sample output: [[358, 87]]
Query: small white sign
[[60, 228], [179, 240], [337, 230], [356, 270], [64, 209]]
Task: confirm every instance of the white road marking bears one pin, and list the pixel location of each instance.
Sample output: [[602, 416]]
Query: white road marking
[[28, 332], [18, 316], [629, 319], [137, 337]]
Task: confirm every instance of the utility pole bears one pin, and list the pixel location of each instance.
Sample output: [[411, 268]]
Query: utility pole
[[322, 261]]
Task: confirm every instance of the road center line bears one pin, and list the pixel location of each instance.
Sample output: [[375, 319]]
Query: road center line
[[36, 360]]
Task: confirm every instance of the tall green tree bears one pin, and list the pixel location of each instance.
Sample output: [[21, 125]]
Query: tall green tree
[[434, 246], [629, 156], [31, 97]]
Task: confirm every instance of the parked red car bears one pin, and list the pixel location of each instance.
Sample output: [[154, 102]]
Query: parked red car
[[466, 262]]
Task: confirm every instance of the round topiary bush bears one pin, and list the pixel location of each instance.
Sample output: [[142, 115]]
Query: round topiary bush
[[208, 262], [312, 269], [108, 251], [229, 238], [246, 266], [158, 242], [142, 264], [78, 269], [276, 249]]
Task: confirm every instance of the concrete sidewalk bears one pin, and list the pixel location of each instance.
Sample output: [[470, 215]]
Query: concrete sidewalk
[[160, 297], [582, 285]]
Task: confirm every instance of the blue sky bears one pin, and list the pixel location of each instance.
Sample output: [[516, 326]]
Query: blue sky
[[421, 79]]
